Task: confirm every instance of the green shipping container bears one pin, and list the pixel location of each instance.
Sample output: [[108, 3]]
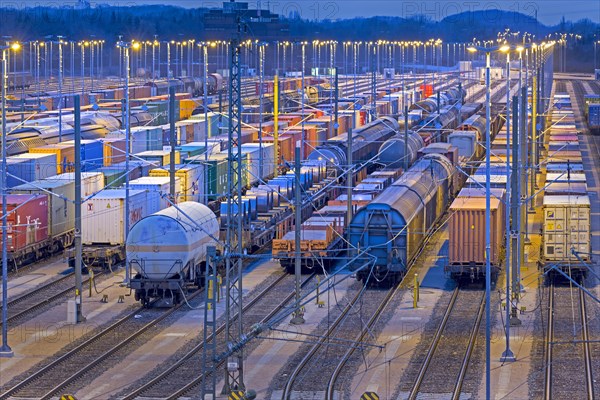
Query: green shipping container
[[216, 172]]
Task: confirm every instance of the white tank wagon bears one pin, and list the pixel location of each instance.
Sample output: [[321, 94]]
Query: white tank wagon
[[167, 251]]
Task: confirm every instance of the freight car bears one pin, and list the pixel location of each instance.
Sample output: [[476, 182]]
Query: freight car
[[434, 103], [22, 138], [267, 210], [386, 235], [194, 86], [167, 250], [566, 229], [466, 227], [366, 141], [60, 218], [392, 151], [321, 236], [103, 221], [27, 223]]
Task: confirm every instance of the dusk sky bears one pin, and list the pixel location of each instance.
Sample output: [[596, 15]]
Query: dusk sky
[[548, 11]]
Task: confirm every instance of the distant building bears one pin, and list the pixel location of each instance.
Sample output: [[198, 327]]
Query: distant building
[[221, 24]]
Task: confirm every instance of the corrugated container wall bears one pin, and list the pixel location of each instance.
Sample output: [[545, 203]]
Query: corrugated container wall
[[29, 167], [566, 227], [467, 231], [91, 182], [65, 155], [27, 220], [61, 210], [160, 185], [192, 180], [103, 219]]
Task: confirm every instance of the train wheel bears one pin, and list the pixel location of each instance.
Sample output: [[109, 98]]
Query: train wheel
[[176, 298]]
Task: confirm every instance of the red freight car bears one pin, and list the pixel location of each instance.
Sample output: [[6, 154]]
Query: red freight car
[[27, 226]]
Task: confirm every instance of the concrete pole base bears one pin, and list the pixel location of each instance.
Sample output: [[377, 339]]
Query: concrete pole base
[[515, 321], [6, 352], [508, 356]]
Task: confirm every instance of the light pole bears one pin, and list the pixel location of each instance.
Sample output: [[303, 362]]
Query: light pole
[[125, 46], [508, 355], [60, 83], [169, 76], [5, 351], [488, 227]]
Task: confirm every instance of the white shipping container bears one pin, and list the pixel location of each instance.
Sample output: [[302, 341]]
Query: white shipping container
[[160, 185], [268, 156], [180, 133], [143, 138], [566, 227], [564, 177], [91, 182], [103, 216]]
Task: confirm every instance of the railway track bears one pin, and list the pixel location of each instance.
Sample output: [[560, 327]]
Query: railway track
[[182, 377], [40, 297], [368, 327], [568, 360], [321, 366], [67, 369], [443, 367]]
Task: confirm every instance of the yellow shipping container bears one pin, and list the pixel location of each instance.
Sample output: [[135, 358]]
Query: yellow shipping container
[[191, 178], [65, 156], [186, 107]]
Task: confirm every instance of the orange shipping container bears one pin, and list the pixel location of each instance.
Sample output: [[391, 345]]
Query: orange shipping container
[[286, 147], [292, 120], [344, 122], [467, 231]]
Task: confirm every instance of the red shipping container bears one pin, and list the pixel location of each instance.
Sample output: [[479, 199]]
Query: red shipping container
[[363, 117], [427, 90], [28, 224], [344, 122]]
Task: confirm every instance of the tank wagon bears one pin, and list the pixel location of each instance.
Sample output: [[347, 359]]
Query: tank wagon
[[449, 97], [366, 141], [167, 251], [194, 86], [386, 235]]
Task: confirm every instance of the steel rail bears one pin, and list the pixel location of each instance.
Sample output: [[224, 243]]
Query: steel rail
[[196, 349]]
